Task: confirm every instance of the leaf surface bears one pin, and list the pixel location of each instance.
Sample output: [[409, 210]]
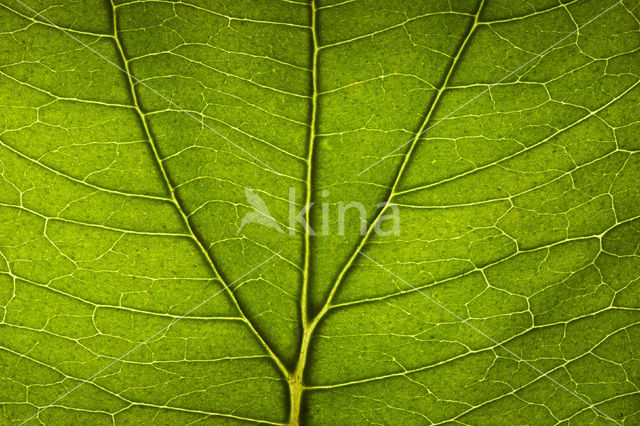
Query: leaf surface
[[135, 137]]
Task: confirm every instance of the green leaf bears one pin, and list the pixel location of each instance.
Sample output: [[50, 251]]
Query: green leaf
[[135, 137]]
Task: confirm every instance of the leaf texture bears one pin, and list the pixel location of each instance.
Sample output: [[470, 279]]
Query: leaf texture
[[136, 135]]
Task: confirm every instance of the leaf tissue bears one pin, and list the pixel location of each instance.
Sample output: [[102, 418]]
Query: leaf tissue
[[320, 212]]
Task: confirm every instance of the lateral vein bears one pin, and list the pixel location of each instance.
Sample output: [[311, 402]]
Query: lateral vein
[[401, 170], [179, 207]]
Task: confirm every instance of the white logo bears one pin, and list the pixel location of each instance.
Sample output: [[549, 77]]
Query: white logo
[[262, 216]]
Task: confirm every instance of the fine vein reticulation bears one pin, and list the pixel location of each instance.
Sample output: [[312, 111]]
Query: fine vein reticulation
[[131, 131]]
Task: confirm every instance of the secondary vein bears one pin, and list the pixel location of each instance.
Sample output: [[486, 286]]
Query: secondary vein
[[165, 176], [402, 168]]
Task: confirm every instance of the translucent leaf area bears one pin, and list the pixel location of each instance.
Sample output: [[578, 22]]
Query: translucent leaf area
[[135, 136]]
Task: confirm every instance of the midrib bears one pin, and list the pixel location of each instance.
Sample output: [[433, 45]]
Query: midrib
[[296, 383]]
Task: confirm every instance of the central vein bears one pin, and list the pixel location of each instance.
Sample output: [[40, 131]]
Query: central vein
[[309, 325], [295, 380]]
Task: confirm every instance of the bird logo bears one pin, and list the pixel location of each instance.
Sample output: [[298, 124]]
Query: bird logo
[[261, 215]]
